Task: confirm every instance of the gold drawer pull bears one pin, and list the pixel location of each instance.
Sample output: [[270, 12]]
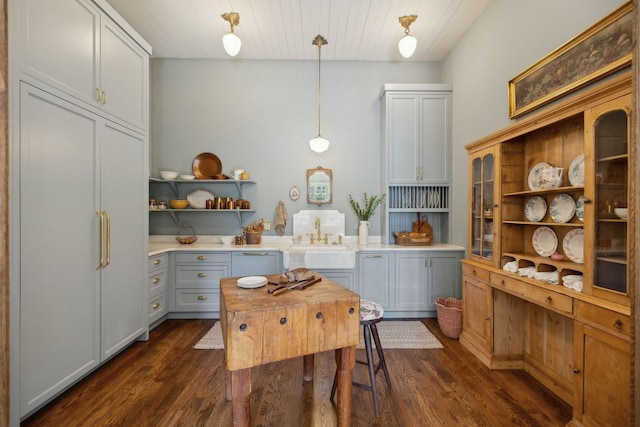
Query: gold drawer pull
[[487, 318], [618, 324], [155, 305], [156, 261], [202, 258], [549, 299], [202, 274], [575, 370], [202, 297], [502, 282], [156, 280]]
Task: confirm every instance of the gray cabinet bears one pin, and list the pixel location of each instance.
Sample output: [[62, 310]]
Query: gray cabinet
[[197, 280], [345, 278], [158, 282], [76, 48], [251, 263], [374, 277], [82, 251]]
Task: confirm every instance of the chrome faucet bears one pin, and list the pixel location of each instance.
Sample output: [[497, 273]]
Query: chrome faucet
[[318, 228]]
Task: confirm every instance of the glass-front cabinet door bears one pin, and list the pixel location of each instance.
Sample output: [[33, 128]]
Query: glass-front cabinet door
[[482, 232], [609, 125]]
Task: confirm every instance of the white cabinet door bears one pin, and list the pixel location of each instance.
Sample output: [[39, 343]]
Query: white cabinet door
[[374, 277], [59, 45], [123, 75], [59, 285], [411, 284], [403, 138], [435, 138], [123, 195]]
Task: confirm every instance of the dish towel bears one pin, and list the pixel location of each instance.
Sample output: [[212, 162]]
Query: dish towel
[[511, 266], [280, 222]]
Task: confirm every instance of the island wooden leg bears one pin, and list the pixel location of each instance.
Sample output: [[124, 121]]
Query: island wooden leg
[[307, 363], [227, 383], [345, 361], [240, 391]]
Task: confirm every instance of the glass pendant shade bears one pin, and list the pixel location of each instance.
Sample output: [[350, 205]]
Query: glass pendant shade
[[407, 45], [319, 144], [232, 44]]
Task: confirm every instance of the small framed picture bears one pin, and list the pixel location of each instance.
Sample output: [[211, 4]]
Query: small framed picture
[[294, 193]]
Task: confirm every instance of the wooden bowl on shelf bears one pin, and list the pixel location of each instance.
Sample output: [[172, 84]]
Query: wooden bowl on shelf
[[178, 204]]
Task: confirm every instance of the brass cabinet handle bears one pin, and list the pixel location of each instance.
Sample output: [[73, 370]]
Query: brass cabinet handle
[[202, 258], [502, 282], [156, 261], [548, 299], [101, 240], [202, 274], [202, 297], [575, 370], [618, 324], [587, 201], [106, 214], [487, 318], [156, 280], [98, 94], [255, 253], [104, 97], [155, 305]]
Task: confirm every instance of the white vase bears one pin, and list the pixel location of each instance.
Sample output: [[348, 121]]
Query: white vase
[[363, 232]]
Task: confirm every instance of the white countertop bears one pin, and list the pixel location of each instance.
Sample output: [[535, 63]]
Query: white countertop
[[162, 244]]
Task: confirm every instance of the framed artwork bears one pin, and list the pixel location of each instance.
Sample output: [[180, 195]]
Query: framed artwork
[[319, 185], [603, 49]]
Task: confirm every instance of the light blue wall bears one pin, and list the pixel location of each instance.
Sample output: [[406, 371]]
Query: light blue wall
[[260, 115], [509, 37]]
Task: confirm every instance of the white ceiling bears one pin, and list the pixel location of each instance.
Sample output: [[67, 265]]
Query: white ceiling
[[361, 30]]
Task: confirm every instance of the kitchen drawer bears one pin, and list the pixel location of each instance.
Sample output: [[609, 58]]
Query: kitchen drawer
[[602, 318], [157, 307], [157, 281], [203, 257], [195, 276], [475, 271], [540, 296], [158, 261], [197, 299]]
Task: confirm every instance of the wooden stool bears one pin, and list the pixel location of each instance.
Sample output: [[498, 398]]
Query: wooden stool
[[370, 313]]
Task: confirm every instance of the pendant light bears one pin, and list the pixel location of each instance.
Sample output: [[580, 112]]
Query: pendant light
[[319, 144], [407, 44], [231, 42]]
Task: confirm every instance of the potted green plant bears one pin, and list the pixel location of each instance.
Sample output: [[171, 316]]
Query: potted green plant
[[364, 213]]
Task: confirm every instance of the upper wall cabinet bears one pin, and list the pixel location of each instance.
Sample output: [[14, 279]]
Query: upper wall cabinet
[[76, 48], [416, 133]]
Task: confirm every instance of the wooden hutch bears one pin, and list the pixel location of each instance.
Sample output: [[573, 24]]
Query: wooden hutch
[[575, 342]]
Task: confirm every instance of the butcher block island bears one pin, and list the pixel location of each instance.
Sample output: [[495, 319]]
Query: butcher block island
[[259, 327]]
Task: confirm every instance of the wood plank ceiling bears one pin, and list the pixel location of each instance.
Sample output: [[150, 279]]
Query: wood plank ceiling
[[359, 30]]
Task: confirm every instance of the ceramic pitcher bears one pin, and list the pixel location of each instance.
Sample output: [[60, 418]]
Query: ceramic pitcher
[[551, 177]]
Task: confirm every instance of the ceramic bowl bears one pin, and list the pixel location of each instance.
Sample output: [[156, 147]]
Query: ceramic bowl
[[168, 174], [178, 204], [621, 212], [188, 177], [227, 240]]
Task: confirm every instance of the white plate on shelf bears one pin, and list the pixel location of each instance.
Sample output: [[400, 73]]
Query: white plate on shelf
[[576, 171], [535, 175], [573, 245], [545, 241], [198, 198], [580, 208], [535, 209], [562, 208], [252, 282]]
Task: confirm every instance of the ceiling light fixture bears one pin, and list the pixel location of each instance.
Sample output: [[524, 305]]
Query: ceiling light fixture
[[231, 42], [319, 144], [407, 44]]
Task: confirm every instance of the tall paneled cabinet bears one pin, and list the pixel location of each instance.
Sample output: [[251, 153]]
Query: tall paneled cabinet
[[79, 221], [548, 277], [416, 157]]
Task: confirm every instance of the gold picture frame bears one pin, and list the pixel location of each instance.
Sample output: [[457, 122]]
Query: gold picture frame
[[319, 186], [603, 49]]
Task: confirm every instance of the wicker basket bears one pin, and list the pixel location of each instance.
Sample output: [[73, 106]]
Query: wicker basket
[[450, 316]]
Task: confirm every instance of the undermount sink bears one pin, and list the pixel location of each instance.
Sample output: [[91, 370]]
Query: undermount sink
[[319, 256]]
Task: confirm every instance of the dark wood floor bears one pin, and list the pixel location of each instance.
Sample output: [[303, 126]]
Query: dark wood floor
[[165, 382]]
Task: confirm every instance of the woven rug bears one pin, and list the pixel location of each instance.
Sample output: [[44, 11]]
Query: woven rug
[[393, 334]]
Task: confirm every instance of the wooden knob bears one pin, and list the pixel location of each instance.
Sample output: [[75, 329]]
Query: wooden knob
[[575, 370], [618, 324]]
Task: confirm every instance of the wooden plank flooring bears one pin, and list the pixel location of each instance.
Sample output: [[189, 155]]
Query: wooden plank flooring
[[165, 382]]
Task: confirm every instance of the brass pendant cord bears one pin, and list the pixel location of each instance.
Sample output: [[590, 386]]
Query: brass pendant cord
[[319, 41]]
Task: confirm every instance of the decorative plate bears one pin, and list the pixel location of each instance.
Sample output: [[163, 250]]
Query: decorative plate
[[562, 208], [206, 166], [198, 198], [252, 282], [573, 245], [535, 209], [536, 174], [545, 241], [580, 208], [576, 171]]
